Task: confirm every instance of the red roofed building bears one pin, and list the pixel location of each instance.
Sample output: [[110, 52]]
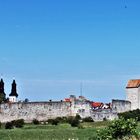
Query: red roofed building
[[96, 105], [67, 100], [133, 93], [133, 83]]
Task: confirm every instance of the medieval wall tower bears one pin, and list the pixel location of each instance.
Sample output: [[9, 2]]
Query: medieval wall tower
[[133, 93]]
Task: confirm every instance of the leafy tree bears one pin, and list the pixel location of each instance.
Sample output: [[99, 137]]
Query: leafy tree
[[135, 114], [26, 100], [2, 97], [118, 129]]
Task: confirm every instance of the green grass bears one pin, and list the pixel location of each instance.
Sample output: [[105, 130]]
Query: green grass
[[48, 132]]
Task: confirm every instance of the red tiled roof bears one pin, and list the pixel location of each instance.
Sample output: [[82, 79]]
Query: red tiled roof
[[135, 83], [96, 104], [67, 100]]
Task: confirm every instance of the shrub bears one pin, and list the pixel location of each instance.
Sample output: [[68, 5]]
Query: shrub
[[69, 119], [53, 121], [18, 123], [64, 119], [35, 121], [118, 129], [0, 124], [135, 114], [78, 117], [88, 119], [9, 125], [50, 121], [75, 123], [105, 119], [59, 119]]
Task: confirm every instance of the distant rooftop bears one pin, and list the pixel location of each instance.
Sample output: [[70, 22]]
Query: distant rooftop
[[134, 83]]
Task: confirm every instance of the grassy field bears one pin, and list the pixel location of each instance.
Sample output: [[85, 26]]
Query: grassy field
[[49, 132]]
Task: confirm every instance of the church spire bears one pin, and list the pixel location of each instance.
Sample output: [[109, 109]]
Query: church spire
[[14, 89], [1, 86], [2, 93]]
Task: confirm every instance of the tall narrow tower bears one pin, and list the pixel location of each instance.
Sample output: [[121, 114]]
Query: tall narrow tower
[[2, 93], [13, 95], [133, 93]]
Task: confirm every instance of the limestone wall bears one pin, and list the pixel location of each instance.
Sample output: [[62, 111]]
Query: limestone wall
[[82, 108], [101, 114], [34, 110], [121, 105], [133, 95]]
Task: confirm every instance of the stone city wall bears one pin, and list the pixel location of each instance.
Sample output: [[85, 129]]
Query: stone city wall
[[101, 114], [41, 111], [121, 105]]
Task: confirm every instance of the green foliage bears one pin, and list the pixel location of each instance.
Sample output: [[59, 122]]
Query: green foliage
[[0, 124], [118, 129], [69, 119], [15, 123], [2, 97], [88, 119], [35, 121], [64, 119], [53, 121], [135, 114], [105, 119], [9, 125], [75, 122], [49, 121], [78, 117], [19, 123]]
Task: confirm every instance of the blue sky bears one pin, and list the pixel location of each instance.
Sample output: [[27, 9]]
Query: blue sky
[[51, 46]]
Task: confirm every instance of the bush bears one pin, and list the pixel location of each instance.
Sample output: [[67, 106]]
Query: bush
[[53, 121], [64, 119], [15, 123], [9, 125], [50, 121], [75, 123], [0, 124], [88, 119], [35, 121], [78, 117], [18, 123], [118, 129], [59, 119], [135, 114], [105, 119], [69, 119]]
